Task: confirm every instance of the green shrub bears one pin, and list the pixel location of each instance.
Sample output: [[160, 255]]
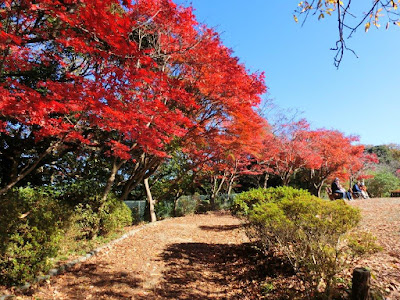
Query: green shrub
[[363, 243], [31, 226], [85, 222], [34, 221], [114, 216], [244, 202], [164, 209], [186, 205], [309, 231], [93, 219]]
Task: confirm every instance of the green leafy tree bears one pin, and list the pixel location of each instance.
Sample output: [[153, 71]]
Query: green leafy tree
[[382, 183]]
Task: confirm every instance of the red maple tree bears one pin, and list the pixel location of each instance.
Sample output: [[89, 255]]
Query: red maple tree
[[130, 80]]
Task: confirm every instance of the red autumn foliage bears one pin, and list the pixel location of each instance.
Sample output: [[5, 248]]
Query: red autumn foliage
[[123, 79]]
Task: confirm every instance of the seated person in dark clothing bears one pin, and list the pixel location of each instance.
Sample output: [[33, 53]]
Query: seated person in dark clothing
[[338, 189], [356, 190]]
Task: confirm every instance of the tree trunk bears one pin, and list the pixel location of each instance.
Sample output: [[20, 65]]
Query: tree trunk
[[176, 199], [110, 180], [319, 189], [286, 179], [230, 185], [266, 180], [228, 196], [150, 200], [216, 189], [138, 173]]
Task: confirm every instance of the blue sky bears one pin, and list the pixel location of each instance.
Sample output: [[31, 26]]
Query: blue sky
[[360, 98]]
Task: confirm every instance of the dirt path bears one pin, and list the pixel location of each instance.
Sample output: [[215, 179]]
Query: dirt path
[[195, 257]]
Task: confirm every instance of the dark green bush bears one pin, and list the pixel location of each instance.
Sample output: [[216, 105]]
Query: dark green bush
[[31, 226], [309, 231], [85, 222], [382, 184], [164, 209]]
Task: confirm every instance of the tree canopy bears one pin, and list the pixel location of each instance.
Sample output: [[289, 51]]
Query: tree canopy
[[109, 93], [127, 80]]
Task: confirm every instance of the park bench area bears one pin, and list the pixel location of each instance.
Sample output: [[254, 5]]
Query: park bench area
[[395, 193]]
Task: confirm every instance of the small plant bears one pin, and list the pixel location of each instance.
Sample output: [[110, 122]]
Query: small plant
[[267, 287], [36, 222], [362, 243], [246, 201]]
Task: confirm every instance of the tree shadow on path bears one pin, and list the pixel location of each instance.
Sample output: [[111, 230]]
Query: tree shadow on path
[[91, 281], [219, 228], [208, 271]]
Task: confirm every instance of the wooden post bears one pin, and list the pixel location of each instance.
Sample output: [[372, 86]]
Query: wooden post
[[361, 278]]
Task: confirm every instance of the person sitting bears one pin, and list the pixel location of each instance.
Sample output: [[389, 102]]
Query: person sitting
[[338, 189], [363, 189], [357, 193]]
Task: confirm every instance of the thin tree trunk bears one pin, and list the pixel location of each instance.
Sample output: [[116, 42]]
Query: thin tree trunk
[[266, 180], [320, 188], [286, 179], [111, 179], [176, 199], [150, 200], [229, 192], [137, 176], [216, 189]]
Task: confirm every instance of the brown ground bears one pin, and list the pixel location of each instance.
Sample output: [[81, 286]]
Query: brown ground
[[207, 257], [381, 217]]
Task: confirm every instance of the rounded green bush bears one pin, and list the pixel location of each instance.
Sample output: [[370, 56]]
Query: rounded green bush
[[308, 230], [114, 215], [245, 201]]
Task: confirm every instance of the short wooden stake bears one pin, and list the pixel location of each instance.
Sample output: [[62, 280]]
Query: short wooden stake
[[361, 278]]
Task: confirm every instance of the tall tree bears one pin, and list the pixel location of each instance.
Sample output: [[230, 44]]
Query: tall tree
[[337, 157], [130, 81]]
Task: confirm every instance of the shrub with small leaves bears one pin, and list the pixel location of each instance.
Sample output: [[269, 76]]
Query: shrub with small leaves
[[31, 226], [246, 201], [363, 243], [33, 222], [94, 219], [114, 215], [309, 231]]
